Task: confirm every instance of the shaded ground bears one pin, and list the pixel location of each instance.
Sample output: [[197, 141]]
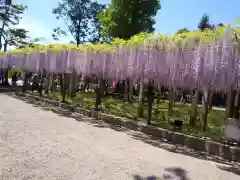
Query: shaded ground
[[39, 144]]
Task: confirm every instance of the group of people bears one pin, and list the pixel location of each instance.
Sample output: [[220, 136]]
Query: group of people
[[38, 82], [34, 81]]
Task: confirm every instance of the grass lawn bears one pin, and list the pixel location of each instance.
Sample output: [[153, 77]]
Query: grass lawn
[[160, 117]]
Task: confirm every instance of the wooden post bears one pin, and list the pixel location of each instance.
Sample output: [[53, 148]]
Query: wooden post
[[141, 99]]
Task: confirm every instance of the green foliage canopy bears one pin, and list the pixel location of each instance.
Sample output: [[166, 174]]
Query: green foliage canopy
[[80, 16], [11, 17], [125, 18]]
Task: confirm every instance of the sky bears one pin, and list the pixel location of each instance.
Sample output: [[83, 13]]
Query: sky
[[173, 15]]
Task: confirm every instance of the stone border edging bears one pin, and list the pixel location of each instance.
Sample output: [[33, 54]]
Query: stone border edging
[[209, 147]]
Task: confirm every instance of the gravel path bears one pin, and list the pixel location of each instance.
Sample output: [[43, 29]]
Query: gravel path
[[38, 144]]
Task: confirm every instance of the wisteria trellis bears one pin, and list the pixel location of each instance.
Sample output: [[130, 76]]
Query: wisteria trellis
[[214, 65]]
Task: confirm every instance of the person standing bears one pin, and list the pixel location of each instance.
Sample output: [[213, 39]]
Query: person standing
[[14, 81], [1, 77], [35, 84]]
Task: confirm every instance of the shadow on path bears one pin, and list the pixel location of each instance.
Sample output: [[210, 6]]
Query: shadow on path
[[232, 169], [146, 138], [172, 173], [5, 89]]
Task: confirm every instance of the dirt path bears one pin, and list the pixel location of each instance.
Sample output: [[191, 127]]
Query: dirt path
[[38, 144]]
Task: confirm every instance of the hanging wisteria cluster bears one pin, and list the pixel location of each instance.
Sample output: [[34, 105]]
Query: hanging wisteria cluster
[[213, 64]]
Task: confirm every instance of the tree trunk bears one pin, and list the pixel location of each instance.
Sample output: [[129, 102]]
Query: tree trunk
[[6, 83], [141, 99], [62, 88], [210, 100], [5, 46], [205, 103], [171, 101], [70, 85], [150, 95], [40, 88], [236, 105], [159, 96], [99, 94], [194, 108], [50, 82], [78, 32], [25, 82], [230, 103], [53, 84], [74, 84], [106, 87], [130, 93], [125, 90]]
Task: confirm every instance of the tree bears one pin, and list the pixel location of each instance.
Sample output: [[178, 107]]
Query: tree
[[72, 42], [31, 43], [11, 17], [220, 25], [183, 30], [57, 32], [16, 37], [75, 14], [125, 18], [207, 94], [95, 10], [80, 18], [13, 14], [204, 23]]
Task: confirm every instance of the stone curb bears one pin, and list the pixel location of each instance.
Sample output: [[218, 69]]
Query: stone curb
[[205, 146]]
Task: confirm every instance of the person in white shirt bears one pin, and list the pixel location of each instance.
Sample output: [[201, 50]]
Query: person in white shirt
[[35, 84]]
